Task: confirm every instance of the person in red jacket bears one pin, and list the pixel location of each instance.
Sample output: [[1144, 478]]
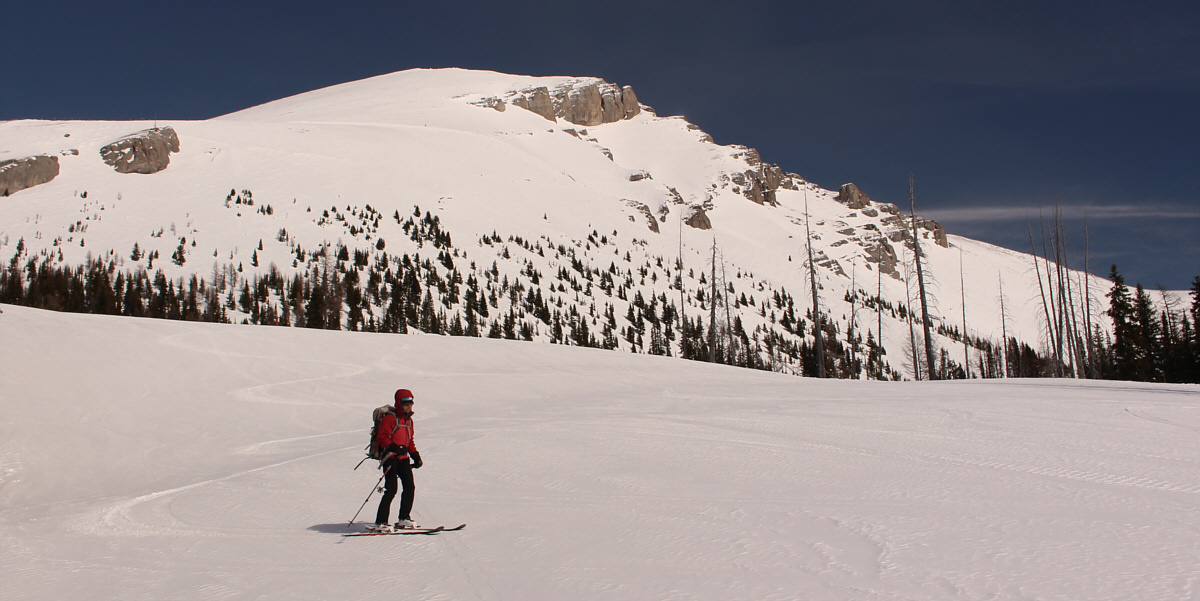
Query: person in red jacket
[[400, 458]]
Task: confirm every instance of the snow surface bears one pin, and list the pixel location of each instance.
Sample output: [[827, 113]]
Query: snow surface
[[148, 459]]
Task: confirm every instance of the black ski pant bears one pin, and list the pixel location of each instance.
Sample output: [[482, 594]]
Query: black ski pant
[[396, 469]]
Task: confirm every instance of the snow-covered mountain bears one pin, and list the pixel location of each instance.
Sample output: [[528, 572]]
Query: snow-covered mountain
[[562, 203]]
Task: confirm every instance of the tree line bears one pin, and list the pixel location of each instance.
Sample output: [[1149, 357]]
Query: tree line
[[336, 287]]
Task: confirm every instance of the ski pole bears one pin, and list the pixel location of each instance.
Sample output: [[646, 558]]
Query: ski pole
[[361, 462], [360, 507]]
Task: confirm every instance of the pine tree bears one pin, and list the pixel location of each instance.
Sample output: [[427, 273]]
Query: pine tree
[[1120, 310], [317, 310], [1148, 346], [354, 301]]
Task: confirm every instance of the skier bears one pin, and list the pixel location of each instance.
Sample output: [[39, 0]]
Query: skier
[[395, 435]]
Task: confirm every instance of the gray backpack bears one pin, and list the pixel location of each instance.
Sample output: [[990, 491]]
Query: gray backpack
[[373, 449]]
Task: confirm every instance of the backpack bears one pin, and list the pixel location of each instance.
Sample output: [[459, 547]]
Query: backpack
[[373, 449]]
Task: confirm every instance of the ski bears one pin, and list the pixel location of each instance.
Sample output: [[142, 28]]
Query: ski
[[372, 532]]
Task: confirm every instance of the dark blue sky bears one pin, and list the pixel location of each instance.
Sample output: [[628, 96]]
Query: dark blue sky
[[994, 107]]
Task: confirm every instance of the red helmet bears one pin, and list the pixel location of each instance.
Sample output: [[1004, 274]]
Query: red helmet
[[404, 395]]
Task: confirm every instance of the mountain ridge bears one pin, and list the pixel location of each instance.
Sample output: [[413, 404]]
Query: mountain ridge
[[434, 143]]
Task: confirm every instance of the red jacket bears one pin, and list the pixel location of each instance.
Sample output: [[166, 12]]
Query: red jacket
[[402, 436]]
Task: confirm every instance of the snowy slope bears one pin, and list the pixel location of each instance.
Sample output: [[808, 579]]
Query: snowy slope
[[419, 141], [148, 459]]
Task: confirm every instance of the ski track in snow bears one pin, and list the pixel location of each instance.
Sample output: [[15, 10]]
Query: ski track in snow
[[117, 519], [1146, 415]]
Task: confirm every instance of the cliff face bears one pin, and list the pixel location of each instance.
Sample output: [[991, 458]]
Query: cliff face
[[852, 197], [761, 180], [147, 151], [584, 102], [19, 174]]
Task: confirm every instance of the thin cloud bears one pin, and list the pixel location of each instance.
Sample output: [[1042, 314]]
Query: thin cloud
[[965, 215]]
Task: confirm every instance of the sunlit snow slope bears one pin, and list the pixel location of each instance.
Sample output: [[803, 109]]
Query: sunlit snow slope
[[148, 459], [421, 142]]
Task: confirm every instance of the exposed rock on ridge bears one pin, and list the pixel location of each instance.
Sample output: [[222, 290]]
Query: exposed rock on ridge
[[582, 102], [535, 100], [760, 182], [147, 151], [19, 174], [852, 197], [491, 102]]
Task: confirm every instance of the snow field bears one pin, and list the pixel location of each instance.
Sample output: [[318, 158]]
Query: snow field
[[148, 459]]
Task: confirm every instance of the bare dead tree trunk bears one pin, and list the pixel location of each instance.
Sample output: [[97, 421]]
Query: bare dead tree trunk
[[853, 298], [818, 332], [1076, 345], [962, 283], [1084, 343], [1041, 288], [926, 322], [1056, 319], [1003, 327], [912, 335], [728, 324], [712, 309], [1060, 313], [1087, 287], [1066, 302], [683, 344], [879, 320]]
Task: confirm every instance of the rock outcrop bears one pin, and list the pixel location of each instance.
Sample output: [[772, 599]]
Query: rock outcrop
[[19, 174], [760, 182], [852, 197], [491, 102], [641, 207], [935, 228], [898, 224], [147, 151], [582, 102], [698, 218], [535, 100], [880, 251]]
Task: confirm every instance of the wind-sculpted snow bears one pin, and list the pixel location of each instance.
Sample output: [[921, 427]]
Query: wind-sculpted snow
[[149, 459]]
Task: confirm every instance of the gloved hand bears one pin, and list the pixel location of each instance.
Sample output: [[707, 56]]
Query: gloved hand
[[416, 459], [397, 449]]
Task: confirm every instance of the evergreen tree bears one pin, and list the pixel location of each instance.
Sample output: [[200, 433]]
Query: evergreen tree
[[428, 319], [317, 310], [1147, 343], [354, 301], [1120, 309], [296, 299]]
